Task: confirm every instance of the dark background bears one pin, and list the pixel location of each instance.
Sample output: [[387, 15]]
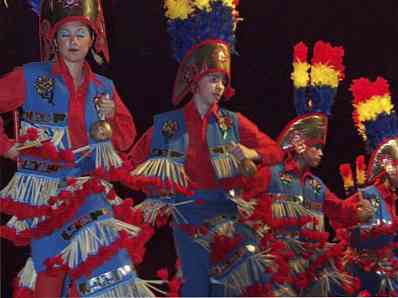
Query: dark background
[[143, 71]]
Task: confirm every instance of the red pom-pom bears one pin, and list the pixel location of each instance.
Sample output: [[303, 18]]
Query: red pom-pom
[[200, 202], [163, 274], [67, 155], [49, 151]]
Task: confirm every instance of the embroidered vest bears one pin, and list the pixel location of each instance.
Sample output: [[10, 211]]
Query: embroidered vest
[[382, 217], [46, 109], [170, 144], [310, 193]]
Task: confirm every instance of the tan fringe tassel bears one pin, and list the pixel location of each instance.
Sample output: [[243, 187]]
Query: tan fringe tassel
[[27, 276], [152, 208], [226, 167], [165, 169], [31, 189], [325, 280], [226, 228], [21, 225], [106, 156], [248, 273], [245, 207], [91, 239], [386, 283], [283, 291]]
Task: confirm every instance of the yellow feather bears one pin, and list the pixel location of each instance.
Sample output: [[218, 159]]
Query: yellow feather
[[229, 3], [376, 105], [178, 9], [361, 177], [202, 4], [324, 75], [348, 182], [362, 131], [300, 74]]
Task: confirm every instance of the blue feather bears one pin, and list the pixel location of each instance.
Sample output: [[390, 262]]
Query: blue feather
[[214, 24], [322, 99], [35, 6], [300, 101], [384, 127]]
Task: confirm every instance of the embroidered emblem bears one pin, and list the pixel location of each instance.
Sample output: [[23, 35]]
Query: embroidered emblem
[[285, 178], [224, 123], [169, 128], [81, 222], [315, 185], [70, 3], [105, 280], [375, 202], [45, 88]]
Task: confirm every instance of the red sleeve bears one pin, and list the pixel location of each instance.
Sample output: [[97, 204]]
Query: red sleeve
[[341, 213], [12, 90], [123, 127], [252, 137], [12, 96], [141, 150], [5, 142]]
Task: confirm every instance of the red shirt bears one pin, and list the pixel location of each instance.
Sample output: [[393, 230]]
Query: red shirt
[[13, 93], [197, 164]]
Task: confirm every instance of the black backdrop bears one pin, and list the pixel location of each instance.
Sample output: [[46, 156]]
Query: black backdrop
[[143, 71]]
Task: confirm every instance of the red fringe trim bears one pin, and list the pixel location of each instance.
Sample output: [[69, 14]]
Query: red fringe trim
[[314, 235], [23, 210], [141, 183], [335, 252], [251, 186], [48, 152], [194, 230], [104, 254], [369, 262], [21, 292], [175, 287], [381, 230], [174, 284], [258, 290], [134, 246], [222, 245], [72, 202]]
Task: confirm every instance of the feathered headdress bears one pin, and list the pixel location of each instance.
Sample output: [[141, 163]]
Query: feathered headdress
[[315, 87], [376, 121], [347, 175], [202, 40], [55, 13]]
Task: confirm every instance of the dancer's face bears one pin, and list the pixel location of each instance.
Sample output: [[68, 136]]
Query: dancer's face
[[312, 156], [211, 87], [74, 40]]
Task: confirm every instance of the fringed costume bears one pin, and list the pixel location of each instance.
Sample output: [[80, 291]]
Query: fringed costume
[[60, 202], [295, 199], [193, 176], [371, 254]]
